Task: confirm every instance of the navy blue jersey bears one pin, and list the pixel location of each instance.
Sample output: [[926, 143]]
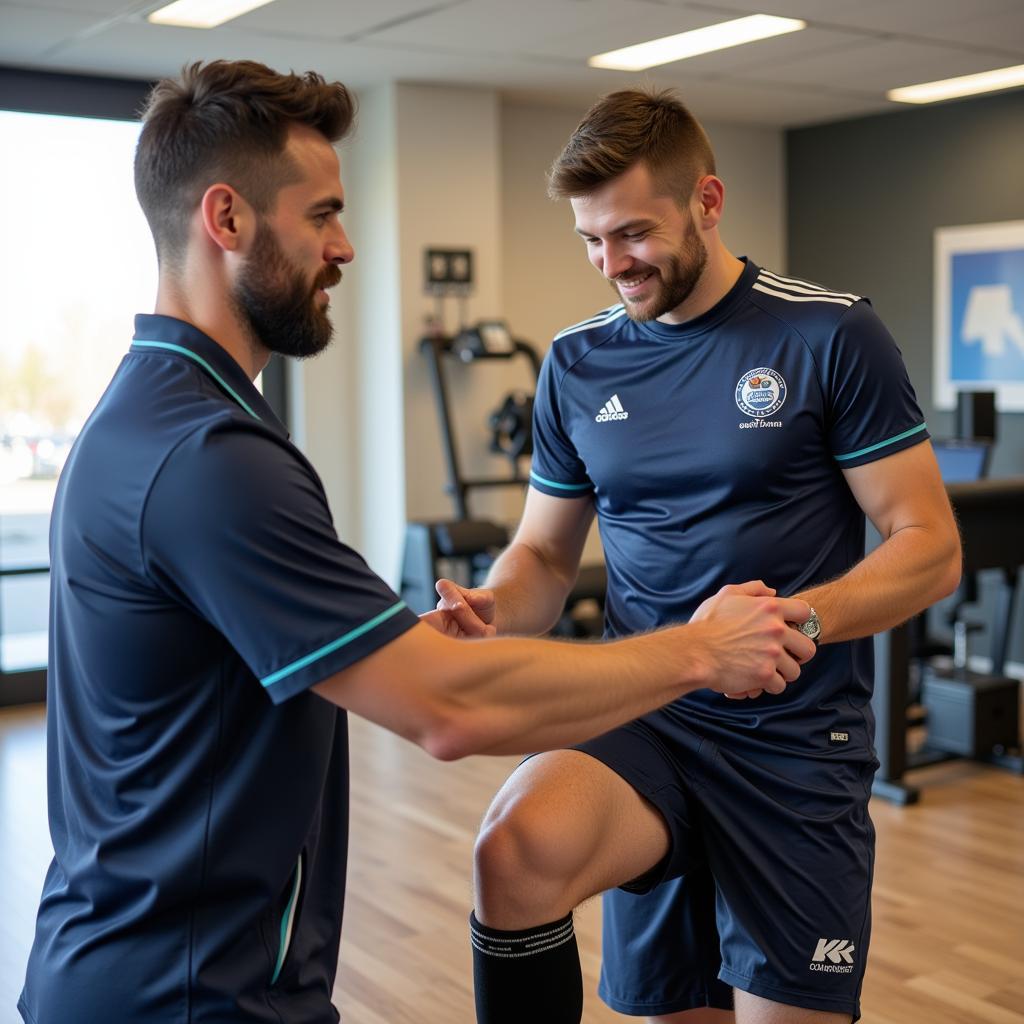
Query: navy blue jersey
[[198, 790], [714, 453]]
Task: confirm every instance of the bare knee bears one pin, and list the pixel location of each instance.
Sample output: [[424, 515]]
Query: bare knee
[[751, 1009], [525, 866], [563, 828]]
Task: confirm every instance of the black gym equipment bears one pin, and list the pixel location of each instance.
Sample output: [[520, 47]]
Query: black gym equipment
[[464, 548], [966, 714], [976, 415], [512, 427], [961, 459]]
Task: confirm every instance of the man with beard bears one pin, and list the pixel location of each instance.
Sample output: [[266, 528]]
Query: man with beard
[[723, 422], [208, 627]]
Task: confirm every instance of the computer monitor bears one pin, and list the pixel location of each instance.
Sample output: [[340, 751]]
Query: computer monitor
[[961, 461]]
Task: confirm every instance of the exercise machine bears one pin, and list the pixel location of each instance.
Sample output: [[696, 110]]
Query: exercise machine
[[464, 548]]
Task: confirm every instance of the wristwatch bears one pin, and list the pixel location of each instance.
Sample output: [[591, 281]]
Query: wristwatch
[[812, 627]]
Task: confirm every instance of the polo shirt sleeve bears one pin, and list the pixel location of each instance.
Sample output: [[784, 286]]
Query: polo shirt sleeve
[[236, 527], [872, 411], [556, 468]]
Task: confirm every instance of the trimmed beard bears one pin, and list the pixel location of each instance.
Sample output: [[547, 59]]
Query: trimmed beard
[[276, 302], [680, 277]]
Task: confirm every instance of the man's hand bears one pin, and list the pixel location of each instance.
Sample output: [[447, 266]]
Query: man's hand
[[752, 639], [462, 612]]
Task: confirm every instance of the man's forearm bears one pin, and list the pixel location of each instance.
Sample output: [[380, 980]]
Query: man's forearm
[[513, 694], [536, 695], [529, 593], [907, 573]]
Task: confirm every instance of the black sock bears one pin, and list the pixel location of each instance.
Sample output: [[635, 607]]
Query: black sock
[[527, 977]]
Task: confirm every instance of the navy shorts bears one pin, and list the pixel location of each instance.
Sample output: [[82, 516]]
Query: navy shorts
[[767, 885]]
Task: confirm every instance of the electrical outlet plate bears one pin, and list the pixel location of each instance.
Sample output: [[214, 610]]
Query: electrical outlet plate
[[446, 267]]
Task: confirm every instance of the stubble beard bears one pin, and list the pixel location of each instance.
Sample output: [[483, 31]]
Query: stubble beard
[[676, 283]]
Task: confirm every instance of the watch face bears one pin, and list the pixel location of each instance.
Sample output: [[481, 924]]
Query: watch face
[[812, 627]]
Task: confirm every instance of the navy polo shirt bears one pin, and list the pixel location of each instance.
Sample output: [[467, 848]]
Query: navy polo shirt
[[713, 451], [198, 790]]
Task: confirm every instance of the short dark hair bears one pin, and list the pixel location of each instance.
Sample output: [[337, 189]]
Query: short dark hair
[[625, 128], [226, 121]]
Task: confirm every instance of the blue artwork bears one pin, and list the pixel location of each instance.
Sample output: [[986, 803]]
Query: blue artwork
[[986, 316]]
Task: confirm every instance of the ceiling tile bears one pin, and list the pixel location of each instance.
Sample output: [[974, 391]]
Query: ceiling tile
[[104, 8], [143, 50], [875, 67], [913, 17], [1001, 31], [574, 29], [922, 19], [335, 19], [27, 32]]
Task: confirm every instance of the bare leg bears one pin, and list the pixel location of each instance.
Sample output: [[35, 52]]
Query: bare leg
[[562, 829], [751, 1009], [702, 1015]]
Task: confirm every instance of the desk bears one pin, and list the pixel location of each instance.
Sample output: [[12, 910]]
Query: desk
[[991, 518]]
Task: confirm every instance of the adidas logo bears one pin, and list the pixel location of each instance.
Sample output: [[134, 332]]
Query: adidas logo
[[612, 411], [838, 953]]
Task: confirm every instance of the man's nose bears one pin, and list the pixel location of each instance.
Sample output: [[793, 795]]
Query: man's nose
[[616, 262], [339, 249]]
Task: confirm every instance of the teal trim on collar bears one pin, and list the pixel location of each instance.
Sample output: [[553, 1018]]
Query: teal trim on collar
[[882, 444], [561, 487], [354, 634], [181, 350]]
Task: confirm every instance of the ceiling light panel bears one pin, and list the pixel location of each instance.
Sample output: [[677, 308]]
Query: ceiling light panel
[[965, 85], [698, 41], [203, 13]]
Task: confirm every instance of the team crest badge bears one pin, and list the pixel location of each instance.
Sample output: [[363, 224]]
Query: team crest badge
[[760, 392]]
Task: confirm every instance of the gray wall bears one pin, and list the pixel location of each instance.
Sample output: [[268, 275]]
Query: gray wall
[[864, 197]]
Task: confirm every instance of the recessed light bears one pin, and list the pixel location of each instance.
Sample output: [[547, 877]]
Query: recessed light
[[699, 40], [203, 13], [965, 85]]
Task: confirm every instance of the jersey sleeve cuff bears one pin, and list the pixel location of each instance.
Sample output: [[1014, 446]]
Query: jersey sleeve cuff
[[558, 488], [882, 449], [339, 653]]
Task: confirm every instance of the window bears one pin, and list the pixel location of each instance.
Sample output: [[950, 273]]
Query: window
[[76, 265]]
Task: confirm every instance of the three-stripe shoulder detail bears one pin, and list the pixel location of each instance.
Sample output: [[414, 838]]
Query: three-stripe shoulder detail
[[792, 289], [606, 316]]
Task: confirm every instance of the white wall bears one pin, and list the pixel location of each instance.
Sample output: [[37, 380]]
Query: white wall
[[449, 197], [320, 396], [752, 163], [377, 409], [346, 403], [548, 283]]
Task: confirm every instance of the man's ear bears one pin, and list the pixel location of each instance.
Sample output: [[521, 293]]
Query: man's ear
[[228, 219], [710, 196]]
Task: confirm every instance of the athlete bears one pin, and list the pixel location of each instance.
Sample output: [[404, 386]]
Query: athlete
[[208, 628], [722, 421]]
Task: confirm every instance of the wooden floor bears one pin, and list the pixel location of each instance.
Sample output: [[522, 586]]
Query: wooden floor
[[949, 893]]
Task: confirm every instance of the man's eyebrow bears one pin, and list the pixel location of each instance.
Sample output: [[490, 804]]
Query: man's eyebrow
[[620, 229], [331, 203]]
